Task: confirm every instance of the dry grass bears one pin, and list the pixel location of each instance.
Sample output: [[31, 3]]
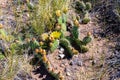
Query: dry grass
[[14, 64], [44, 16]]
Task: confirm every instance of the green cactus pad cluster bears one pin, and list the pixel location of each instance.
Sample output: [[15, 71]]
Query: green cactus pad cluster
[[83, 9], [41, 54], [54, 45], [51, 40]]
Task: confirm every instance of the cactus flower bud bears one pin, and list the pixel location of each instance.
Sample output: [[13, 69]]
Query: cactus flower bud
[[89, 34], [40, 50], [76, 22], [36, 50], [45, 58], [65, 10], [1, 26], [41, 43], [43, 52], [58, 13]]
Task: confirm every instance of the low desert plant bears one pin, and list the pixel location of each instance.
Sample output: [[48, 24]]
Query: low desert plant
[[43, 15]]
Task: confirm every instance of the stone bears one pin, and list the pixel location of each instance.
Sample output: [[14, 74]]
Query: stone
[[68, 74], [62, 65], [72, 63], [62, 49], [79, 63], [57, 57], [61, 56], [67, 70]]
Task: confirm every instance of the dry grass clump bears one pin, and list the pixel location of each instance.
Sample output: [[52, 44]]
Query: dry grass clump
[[43, 16], [14, 64]]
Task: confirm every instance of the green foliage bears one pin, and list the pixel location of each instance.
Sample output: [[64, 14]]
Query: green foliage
[[86, 20], [30, 6], [64, 42], [43, 16], [55, 45], [75, 32], [83, 8], [80, 5], [3, 32], [62, 21], [34, 44], [1, 56], [86, 40], [83, 49], [88, 6]]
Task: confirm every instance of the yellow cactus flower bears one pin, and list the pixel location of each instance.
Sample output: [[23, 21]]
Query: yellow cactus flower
[[55, 34], [1, 26], [36, 50], [58, 13], [44, 36]]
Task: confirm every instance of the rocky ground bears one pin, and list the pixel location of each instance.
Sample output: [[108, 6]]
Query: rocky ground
[[101, 62]]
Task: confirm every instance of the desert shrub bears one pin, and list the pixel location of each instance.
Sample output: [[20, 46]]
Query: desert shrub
[[43, 14]]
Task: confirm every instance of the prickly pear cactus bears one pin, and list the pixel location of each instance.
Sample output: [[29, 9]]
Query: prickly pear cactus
[[62, 21], [75, 32], [86, 40], [88, 6], [83, 8], [54, 45], [64, 42], [80, 6], [83, 49], [34, 44]]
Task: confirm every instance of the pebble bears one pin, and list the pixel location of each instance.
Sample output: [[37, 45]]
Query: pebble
[[62, 65], [61, 56], [62, 49], [76, 62], [79, 63], [57, 57], [68, 74]]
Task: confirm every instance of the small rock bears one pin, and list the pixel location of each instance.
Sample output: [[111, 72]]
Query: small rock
[[61, 56], [57, 57], [79, 63], [62, 49], [62, 65], [93, 62], [72, 63], [67, 70], [68, 74]]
